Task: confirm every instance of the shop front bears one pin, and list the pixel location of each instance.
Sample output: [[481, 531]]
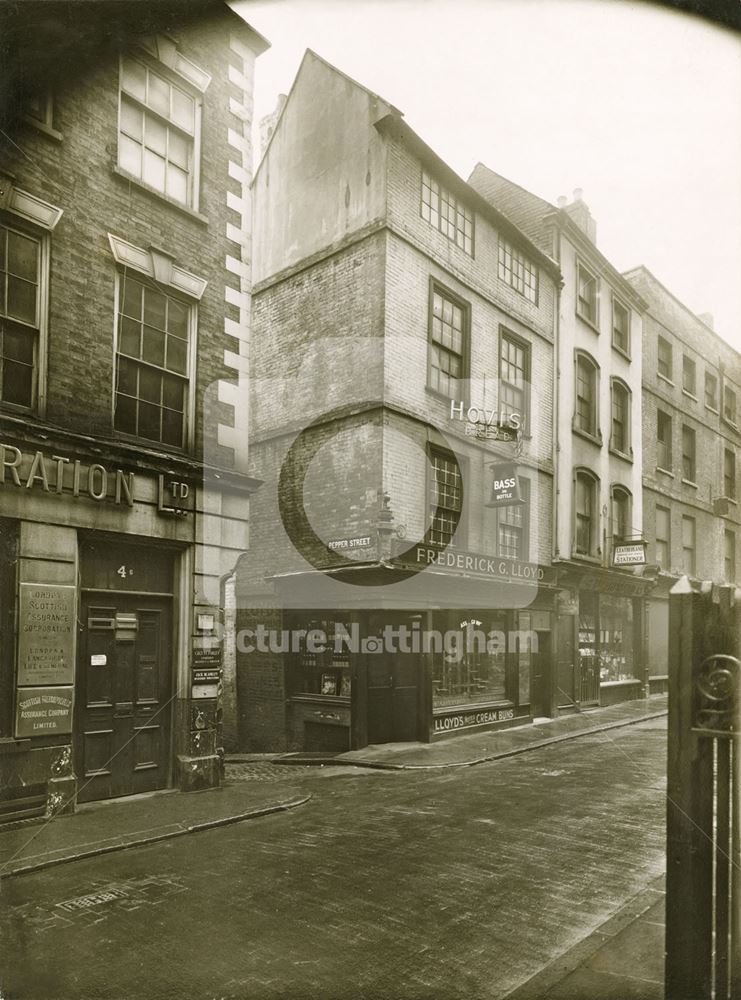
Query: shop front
[[363, 675], [601, 652], [102, 593]]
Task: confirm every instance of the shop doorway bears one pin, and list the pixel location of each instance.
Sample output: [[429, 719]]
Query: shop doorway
[[123, 696], [392, 697], [541, 680], [566, 662]]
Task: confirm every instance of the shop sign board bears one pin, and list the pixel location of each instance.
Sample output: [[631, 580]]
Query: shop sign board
[[469, 719], [505, 487], [43, 711], [46, 634], [457, 560], [629, 554], [206, 658]]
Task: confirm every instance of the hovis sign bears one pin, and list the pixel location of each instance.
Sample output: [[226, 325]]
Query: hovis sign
[[505, 488]]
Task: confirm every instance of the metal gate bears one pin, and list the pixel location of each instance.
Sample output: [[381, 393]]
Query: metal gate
[[703, 879]]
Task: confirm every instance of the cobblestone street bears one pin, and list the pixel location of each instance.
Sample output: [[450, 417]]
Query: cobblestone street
[[458, 883]]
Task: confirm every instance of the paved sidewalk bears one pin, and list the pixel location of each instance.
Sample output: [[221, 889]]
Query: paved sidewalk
[[622, 960], [114, 825], [477, 748]]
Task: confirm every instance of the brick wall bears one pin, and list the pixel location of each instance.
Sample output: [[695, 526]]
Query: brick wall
[[76, 173]]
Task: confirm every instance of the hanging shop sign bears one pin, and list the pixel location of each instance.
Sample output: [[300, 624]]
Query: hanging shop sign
[[57, 474], [43, 711], [505, 487], [46, 632], [629, 554]]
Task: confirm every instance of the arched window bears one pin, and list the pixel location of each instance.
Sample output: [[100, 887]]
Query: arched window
[[622, 503], [587, 385], [586, 502], [621, 417]]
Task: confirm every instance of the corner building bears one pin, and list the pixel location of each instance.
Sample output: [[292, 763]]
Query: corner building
[[401, 422], [124, 323], [599, 547]]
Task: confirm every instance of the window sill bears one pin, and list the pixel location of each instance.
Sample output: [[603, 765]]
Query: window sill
[[593, 438], [627, 456], [665, 472], [689, 482], [621, 351], [147, 444], [143, 186], [665, 378], [730, 423], [42, 127], [690, 395], [583, 557], [590, 323], [713, 409]]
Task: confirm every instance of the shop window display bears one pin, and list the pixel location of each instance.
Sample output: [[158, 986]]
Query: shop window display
[[616, 639], [473, 668]]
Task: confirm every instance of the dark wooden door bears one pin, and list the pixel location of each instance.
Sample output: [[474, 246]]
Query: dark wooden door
[[541, 700], [122, 731], [392, 697], [565, 694]]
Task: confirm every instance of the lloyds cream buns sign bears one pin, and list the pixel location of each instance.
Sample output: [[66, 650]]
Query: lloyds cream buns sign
[[46, 634]]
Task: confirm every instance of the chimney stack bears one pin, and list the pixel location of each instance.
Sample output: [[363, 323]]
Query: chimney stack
[[561, 201], [579, 212]]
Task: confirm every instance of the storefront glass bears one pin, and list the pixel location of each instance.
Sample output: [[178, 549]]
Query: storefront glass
[[323, 661], [469, 666], [616, 638]]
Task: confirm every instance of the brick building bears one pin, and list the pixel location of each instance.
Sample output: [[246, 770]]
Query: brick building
[[600, 654], [402, 425], [124, 324], [691, 420]]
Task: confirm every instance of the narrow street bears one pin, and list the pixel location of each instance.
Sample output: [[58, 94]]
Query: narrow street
[[458, 883]]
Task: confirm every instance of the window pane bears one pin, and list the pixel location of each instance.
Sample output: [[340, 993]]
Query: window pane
[[18, 345], [149, 421], [159, 94], [130, 155], [127, 377], [154, 170], [129, 339], [131, 119], [178, 149], [172, 392], [132, 297], [153, 346], [177, 355], [155, 304], [21, 299], [177, 183], [182, 109], [150, 383], [17, 383], [125, 418], [177, 318], [22, 256], [156, 135], [134, 77], [172, 427]]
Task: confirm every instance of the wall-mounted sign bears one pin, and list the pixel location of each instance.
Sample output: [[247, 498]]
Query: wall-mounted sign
[[629, 554], [43, 711], [468, 720], [505, 487], [175, 497], [59, 475], [492, 432], [206, 676], [206, 659], [458, 561], [343, 544], [204, 691], [46, 634]]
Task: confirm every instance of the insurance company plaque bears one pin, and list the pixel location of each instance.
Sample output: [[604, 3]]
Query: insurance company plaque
[[46, 634]]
